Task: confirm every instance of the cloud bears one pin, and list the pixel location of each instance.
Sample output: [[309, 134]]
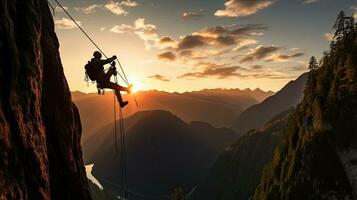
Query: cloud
[[115, 8], [192, 41], [234, 30], [283, 57], [167, 40], [208, 65], [219, 36], [329, 36], [244, 44], [310, 1], [225, 71], [167, 56], [159, 77], [240, 8], [259, 52], [65, 23], [59, 9], [123, 28], [129, 3], [90, 9], [219, 72], [192, 15], [146, 32]]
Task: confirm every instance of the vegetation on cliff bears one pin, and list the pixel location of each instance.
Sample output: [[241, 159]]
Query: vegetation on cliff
[[317, 156]]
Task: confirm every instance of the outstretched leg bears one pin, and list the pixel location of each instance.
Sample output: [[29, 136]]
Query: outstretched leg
[[117, 88]]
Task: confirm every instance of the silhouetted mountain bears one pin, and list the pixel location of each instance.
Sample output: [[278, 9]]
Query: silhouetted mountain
[[238, 170], [218, 107], [316, 158], [258, 115], [40, 130], [163, 152]]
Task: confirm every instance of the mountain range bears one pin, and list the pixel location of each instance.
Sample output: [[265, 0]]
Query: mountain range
[[163, 152], [218, 107], [257, 116]]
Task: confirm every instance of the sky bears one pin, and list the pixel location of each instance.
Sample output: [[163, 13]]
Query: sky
[[187, 45]]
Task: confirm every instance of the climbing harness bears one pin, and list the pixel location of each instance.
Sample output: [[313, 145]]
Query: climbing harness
[[124, 178]]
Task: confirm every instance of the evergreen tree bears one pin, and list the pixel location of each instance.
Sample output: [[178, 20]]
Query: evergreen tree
[[177, 194], [340, 26], [313, 63]]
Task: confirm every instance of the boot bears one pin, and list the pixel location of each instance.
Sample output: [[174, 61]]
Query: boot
[[123, 104], [129, 88]]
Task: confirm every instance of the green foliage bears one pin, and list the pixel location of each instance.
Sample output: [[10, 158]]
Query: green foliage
[[306, 164], [177, 194]]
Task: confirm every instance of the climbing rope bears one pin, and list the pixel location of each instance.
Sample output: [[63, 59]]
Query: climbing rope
[[124, 181], [53, 8], [124, 176], [123, 77]]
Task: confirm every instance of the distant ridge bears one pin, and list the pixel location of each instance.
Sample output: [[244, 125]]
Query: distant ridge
[[258, 115]]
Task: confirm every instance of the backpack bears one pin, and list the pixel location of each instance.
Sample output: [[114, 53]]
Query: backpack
[[91, 71]]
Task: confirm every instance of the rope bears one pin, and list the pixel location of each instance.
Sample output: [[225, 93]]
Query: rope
[[115, 123], [89, 38], [123, 157], [124, 77], [121, 125], [53, 8]]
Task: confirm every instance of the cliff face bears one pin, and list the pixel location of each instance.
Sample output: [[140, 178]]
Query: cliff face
[[40, 153]]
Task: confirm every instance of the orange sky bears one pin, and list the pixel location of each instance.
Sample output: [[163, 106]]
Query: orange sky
[[265, 48]]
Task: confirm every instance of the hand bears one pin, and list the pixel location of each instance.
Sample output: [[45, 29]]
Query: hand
[[114, 57]]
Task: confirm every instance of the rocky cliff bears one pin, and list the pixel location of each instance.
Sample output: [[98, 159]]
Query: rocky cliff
[[40, 130]]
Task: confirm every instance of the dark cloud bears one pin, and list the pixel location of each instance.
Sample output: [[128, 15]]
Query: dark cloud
[[165, 40], [159, 77], [192, 41], [240, 8], [224, 71], [187, 53], [283, 57], [259, 52], [220, 73], [225, 40], [235, 30], [167, 56], [219, 36]]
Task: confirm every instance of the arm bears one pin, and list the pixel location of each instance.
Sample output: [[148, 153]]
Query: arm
[[109, 60]]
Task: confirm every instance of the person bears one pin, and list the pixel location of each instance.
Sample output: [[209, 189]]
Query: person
[[103, 78]]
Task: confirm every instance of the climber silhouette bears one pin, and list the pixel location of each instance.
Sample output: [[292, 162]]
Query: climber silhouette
[[103, 78]]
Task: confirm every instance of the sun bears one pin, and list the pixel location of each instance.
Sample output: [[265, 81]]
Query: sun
[[137, 86]]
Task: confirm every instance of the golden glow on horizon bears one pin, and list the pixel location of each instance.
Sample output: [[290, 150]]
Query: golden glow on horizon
[[137, 86]]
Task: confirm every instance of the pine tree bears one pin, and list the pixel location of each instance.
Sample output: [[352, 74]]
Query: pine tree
[[340, 26], [177, 194], [313, 64]]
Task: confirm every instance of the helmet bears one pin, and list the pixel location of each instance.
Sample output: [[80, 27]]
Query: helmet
[[97, 55]]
